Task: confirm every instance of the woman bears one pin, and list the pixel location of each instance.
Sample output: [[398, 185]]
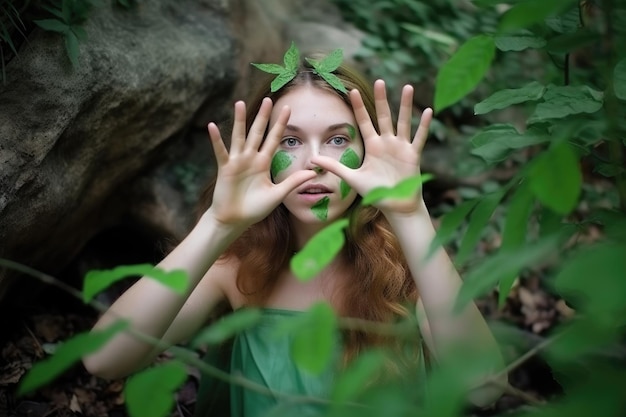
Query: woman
[[299, 159]]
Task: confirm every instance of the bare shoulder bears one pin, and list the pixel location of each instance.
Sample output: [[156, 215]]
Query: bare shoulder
[[223, 275]]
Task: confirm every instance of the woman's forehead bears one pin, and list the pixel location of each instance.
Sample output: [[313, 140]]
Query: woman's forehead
[[311, 104]]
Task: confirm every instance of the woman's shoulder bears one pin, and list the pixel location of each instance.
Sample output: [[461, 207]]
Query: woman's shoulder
[[224, 273]]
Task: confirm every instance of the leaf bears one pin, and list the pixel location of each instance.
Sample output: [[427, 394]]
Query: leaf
[[71, 46], [514, 232], [334, 81], [495, 143], [528, 12], [314, 339], [351, 382], [519, 42], [450, 222], [66, 355], [505, 98], [504, 263], [319, 251], [331, 61], [52, 25], [463, 71], [269, 68], [567, 42], [292, 58], [80, 32], [404, 189], [563, 101], [555, 178], [478, 221], [619, 79], [281, 80], [227, 327], [151, 392], [99, 280]]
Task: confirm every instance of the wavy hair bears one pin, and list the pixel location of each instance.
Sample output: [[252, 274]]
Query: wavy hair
[[379, 286]]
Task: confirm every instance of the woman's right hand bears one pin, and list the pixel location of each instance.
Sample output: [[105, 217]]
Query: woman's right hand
[[244, 192]]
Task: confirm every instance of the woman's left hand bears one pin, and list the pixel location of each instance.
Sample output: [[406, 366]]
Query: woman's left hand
[[390, 156]]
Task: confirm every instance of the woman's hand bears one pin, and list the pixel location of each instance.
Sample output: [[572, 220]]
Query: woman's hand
[[244, 192], [390, 156]]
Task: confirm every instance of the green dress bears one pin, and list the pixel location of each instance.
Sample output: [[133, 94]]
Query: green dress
[[261, 355]]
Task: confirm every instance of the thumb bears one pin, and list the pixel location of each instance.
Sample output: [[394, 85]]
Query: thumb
[[330, 164]]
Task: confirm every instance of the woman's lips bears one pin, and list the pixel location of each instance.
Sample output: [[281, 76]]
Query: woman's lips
[[314, 193]]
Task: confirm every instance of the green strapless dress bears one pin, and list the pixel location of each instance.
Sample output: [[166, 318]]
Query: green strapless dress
[[262, 356]]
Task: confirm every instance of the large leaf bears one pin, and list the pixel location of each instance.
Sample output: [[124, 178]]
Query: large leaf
[[619, 79], [555, 178], [505, 98], [525, 13], [67, 355], [514, 233], [150, 393], [315, 338], [495, 143], [228, 326], [463, 71], [562, 101], [319, 251], [99, 280]]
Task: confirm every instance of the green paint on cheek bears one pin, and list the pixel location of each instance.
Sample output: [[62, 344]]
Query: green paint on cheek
[[320, 208], [351, 131], [280, 162], [350, 159]]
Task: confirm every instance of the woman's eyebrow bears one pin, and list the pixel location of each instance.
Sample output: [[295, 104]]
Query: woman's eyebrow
[[336, 126]]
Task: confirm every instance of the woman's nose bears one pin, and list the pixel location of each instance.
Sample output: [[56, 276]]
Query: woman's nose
[[313, 151]]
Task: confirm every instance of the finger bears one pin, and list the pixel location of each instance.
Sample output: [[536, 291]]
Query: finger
[[221, 154], [362, 117], [294, 180], [422, 130], [383, 112], [239, 128], [276, 132], [406, 111], [259, 126], [334, 166]]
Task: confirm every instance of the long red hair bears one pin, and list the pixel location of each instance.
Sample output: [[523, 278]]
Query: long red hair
[[379, 286]]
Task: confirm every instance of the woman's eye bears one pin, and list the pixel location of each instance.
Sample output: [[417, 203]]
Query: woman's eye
[[290, 142], [338, 141]]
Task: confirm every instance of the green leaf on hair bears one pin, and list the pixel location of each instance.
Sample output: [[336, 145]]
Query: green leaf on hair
[[283, 74], [326, 66], [292, 58], [269, 68], [331, 61]]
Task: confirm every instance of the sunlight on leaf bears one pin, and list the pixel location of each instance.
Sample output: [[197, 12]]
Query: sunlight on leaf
[[463, 71], [227, 327], [562, 101], [99, 280], [151, 392], [66, 355], [404, 189], [319, 251]]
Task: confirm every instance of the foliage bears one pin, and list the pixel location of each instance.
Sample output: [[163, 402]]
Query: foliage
[[573, 136]]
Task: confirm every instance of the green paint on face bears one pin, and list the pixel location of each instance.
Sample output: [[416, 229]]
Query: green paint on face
[[320, 208], [350, 159], [351, 131], [280, 162]]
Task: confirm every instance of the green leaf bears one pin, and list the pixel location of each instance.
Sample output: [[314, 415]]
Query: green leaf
[[351, 382], [269, 68], [66, 355], [281, 80], [331, 61], [505, 98], [478, 221], [463, 71], [151, 392], [99, 280], [504, 263], [315, 339], [404, 189], [334, 81], [71, 46], [515, 230], [450, 222], [619, 79], [319, 251], [568, 42], [519, 42], [292, 59], [227, 327], [52, 25], [555, 178], [495, 143], [80, 32], [525, 13], [562, 101]]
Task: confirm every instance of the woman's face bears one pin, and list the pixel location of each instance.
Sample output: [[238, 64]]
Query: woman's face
[[320, 124]]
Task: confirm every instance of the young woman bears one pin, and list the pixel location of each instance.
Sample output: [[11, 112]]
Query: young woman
[[300, 158]]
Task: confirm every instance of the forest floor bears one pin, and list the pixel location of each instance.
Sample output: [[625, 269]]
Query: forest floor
[[32, 333]]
